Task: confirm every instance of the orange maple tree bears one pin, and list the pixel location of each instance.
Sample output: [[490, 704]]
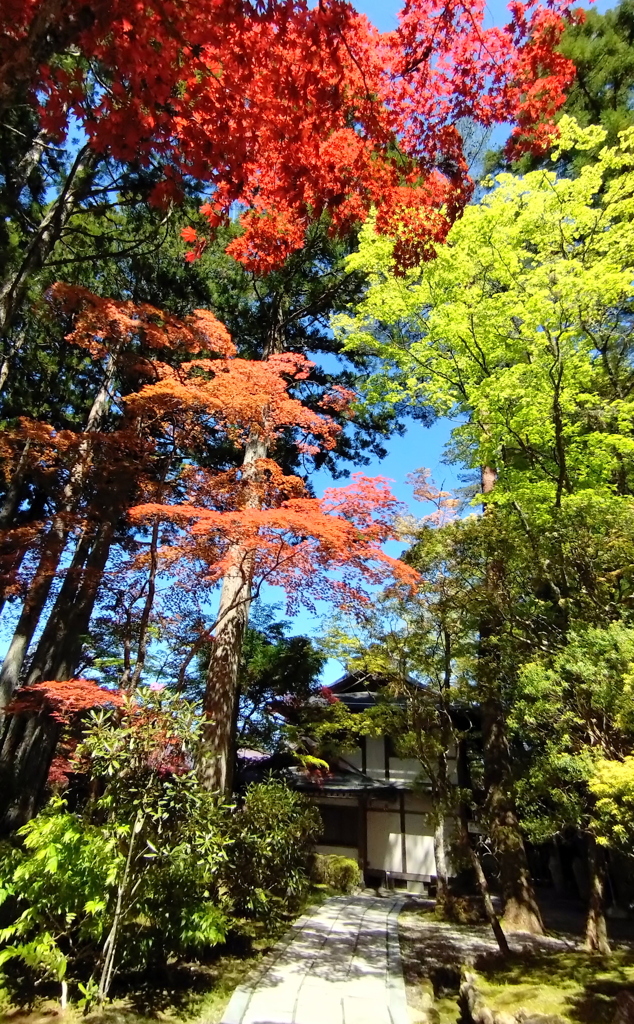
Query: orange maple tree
[[255, 524]]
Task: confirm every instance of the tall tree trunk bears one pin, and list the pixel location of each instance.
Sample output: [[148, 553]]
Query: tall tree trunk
[[32, 609], [440, 856], [28, 747], [54, 545], [521, 911], [59, 649], [470, 855], [221, 687], [224, 664], [29, 742], [14, 287], [596, 937]]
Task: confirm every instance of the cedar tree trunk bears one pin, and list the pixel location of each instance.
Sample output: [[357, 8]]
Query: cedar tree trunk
[[521, 911], [596, 937], [54, 545], [28, 747], [442, 885], [59, 649], [470, 855]]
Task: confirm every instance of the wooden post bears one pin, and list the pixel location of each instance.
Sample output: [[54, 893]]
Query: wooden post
[[401, 804]]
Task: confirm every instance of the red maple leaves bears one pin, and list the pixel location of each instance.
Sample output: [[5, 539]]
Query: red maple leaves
[[288, 110], [61, 699]]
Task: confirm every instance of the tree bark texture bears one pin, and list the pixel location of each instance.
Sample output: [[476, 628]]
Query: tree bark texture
[[221, 691], [521, 911], [32, 609], [596, 937], [440, 855], [471, 856], [59, 649], [54, 545], [28, 746]]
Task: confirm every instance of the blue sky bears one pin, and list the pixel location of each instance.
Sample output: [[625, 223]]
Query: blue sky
[[383, 13]]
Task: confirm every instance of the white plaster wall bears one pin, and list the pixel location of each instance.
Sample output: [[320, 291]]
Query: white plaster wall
[[384, 841], [375, 757], [419, 850], [405, 770]]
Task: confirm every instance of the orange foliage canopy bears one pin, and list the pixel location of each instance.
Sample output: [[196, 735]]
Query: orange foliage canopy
[[288, 108], [102, 325], [62, 699], [261, 517]]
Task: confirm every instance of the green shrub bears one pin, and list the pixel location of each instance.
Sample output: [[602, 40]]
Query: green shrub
[[154, 867], [272, 838], [132, 878], [341, 873]]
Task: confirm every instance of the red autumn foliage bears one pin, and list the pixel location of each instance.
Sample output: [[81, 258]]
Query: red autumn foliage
[[258, 515], [328, 695], [59, 771], [243, 396], [102, 325], [62, 699], [290, 109]]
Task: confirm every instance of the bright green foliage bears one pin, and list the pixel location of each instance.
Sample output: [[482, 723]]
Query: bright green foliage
[[272, 837], [155, 866], [572, 713], [520, 326], [342, 873], [612, 784], [59, 885]]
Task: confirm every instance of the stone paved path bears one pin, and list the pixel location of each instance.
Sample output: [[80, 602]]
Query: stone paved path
[[341, 965]]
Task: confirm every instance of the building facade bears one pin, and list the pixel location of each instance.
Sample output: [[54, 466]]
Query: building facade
[[375, 806]]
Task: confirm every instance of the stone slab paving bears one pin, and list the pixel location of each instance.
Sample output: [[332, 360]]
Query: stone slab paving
[[340, 964]]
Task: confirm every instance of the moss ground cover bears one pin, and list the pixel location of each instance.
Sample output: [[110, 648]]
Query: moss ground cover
[[580, 987], [550, 977]]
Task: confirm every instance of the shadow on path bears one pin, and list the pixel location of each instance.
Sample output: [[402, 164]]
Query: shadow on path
[[340, 964]]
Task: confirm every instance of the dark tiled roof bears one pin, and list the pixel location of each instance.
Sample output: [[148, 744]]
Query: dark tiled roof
[[338, 781]]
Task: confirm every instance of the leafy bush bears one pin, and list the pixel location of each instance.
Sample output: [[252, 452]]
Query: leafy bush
[[153, 867], [341, 873], [132, 878], [272, 838]]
